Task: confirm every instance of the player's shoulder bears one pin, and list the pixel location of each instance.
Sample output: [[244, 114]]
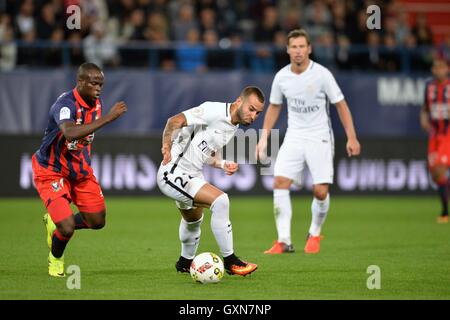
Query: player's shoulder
[[286, 70], [214, 107], [212, 104], [208, 109], [66, 99], [318, 68]]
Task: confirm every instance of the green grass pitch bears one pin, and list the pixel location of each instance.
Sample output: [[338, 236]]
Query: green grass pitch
[[133, 256]]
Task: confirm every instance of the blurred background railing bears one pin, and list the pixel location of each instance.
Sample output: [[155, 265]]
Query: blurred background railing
[[185, 56]]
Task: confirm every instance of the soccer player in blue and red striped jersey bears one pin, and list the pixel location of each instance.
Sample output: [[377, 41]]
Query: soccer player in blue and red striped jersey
[[62, 169], [434, 119]]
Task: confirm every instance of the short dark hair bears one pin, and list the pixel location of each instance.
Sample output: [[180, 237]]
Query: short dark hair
[[253, 90], [296, 33], [86, 67]]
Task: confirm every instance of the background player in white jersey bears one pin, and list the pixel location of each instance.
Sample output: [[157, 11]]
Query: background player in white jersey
[[308, 88], [191, 139]]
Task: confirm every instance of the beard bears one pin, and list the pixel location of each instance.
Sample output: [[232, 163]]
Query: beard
[[241, 116]]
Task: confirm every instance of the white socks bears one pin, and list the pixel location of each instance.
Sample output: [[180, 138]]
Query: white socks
[[221, 225], [283, 214], [189, 233], [319, 209]]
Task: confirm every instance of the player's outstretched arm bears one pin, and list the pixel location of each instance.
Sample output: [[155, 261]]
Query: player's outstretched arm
[[174, 123], [71, 131], [353, 147], [271, 117], [425, 119]]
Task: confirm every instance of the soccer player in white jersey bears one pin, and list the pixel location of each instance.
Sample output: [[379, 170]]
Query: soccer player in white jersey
[[191, 139], [308, 88]]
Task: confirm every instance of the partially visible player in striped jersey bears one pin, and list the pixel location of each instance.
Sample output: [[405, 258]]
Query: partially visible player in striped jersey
[[62, 169], [309, 88], [191, 139], [434, 119]]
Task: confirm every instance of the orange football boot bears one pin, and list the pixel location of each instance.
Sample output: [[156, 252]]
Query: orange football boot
[[280, 247], [313, 244], [442, 219], [240, 267]]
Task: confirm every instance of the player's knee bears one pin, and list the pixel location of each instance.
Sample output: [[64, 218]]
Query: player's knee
[[98, 223], [222, 202], [281, 183], [439, 175], [66, 228], [320, 194], [96, 220]]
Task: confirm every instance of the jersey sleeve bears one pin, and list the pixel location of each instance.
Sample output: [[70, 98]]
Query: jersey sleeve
[[62, 111], [331, 88], [276, 96], [204, 114]]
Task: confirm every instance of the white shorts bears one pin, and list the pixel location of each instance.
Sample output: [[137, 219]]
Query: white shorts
[[179, 185], [317, 155]]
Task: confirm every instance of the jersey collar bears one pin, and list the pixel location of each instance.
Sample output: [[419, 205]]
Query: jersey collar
[[80, 100], [228, 114], [309, 67]]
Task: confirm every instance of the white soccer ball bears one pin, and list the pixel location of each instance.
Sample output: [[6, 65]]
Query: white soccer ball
[[207, 267]]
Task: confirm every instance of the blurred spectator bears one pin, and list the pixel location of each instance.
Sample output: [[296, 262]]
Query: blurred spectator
[[389, 58], [53, 55], [28, 53], [373, 58], [261, 57], [289, 12], [133, 31], [208, 21], [324, 50], [137, 21], [318, 19], [191, 55], [280, 55], [99, 48], [444, 49], [292, 21], [8, 50], [184, 23], [421, 30], [268, 27], [157, 32], [46, 23], [216, 57], [25, 23], [402, 30], [94, 12], [340, 25], [76, 53], [417, 58], [358, 34], [157, 29], [343, 59], [146, 32]]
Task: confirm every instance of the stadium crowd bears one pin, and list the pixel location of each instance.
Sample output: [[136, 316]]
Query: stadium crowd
[[199, 35]]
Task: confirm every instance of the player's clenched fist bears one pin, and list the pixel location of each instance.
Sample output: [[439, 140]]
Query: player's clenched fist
[[230, 167], [117, 110]]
